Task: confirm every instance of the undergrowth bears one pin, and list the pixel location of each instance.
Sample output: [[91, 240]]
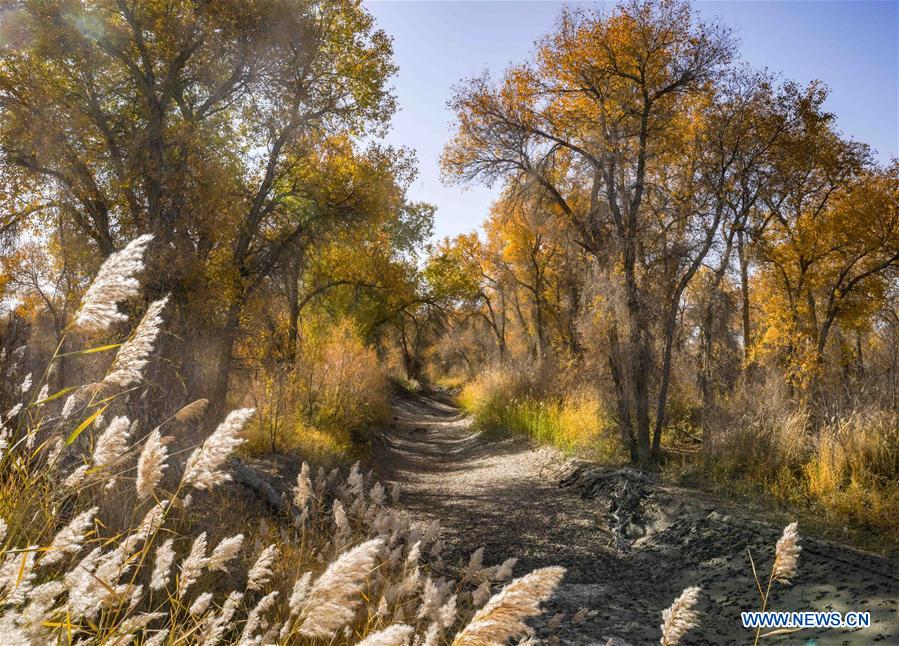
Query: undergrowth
[[506, 400], [111, 533], [841, 477]]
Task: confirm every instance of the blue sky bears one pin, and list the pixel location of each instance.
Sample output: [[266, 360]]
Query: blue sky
[[851, 46]]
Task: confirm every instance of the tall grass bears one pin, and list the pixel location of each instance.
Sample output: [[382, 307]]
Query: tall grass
[[505, 399], [98, 520], [323, 403], [115, 534], [844, 471]]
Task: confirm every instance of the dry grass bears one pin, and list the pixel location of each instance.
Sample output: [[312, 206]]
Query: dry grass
[[844, 474], [506, 399], [325, 402], [108, 537]]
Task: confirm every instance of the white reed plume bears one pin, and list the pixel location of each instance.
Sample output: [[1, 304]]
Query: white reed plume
[[396, 635], [3, 528], [504, 615], [132, 357], [255, 620], [113, 442], [68, 406], [303, 491], [786, 558], [332, 601], [150, 524], [504, 571], [70, 538], [431, 599], [475, 564], [192, 566], [261, 571], [680, 617], [214, 630], [432, 636], [10, 628], [446, 617], [159, 638], [204, 468], [41, 600], [26, 384], [395, 493], [85, 593], [340, 518], [377, 494], [298, 594], [162, 567], [113, 283], [200, 604], [354, 480], [224, 552], [16, 575], [151, 464], [74, 479]]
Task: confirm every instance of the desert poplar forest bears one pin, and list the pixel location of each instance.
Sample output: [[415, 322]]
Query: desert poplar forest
[[251, 391]]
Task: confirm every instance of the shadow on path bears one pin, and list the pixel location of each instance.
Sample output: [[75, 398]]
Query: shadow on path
[[502, 495]]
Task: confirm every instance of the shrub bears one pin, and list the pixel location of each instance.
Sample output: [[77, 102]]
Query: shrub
[[326, 401]]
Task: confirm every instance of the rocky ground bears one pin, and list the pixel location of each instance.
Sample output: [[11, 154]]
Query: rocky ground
[[506, 496]]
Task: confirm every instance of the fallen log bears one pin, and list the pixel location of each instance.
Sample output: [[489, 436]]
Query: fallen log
[[255, 480]]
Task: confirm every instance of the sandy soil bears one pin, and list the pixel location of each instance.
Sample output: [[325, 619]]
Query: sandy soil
[[504, 496]]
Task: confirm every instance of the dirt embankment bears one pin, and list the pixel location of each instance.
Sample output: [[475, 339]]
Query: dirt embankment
[[624, 565]]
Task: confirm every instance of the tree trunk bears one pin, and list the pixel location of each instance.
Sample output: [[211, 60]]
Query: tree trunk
[[705, 373], [625, 424], [744, 297], [219, 396]]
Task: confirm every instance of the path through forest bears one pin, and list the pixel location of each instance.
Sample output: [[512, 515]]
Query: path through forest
[[504, 496]]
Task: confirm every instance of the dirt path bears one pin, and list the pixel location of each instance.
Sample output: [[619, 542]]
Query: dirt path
[[504, 496]]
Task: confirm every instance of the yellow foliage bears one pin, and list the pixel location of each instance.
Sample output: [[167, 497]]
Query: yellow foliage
[[327, 401]]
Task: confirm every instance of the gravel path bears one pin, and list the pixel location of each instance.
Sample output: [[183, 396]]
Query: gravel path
[[503, 495]]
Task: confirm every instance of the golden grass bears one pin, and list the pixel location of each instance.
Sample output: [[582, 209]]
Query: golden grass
[[505, 400], [841, 477]]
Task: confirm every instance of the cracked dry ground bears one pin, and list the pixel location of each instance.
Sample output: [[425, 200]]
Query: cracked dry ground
[[504, 496]]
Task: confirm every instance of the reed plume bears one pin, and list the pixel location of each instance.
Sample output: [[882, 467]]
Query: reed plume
[[224, 552], [191, 411], [70, 539], [261, 571], [204, 468], [680, 617], [165, 556], [192, 566], [786, 555], [151, 464], [200, 604], [214, 630], [113, 442], [332, 601], [255, 620], [396, 635], [132, 357], [504, 615], [113, 283]]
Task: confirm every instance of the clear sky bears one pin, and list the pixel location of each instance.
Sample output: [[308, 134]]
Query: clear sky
[[851, 46]]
